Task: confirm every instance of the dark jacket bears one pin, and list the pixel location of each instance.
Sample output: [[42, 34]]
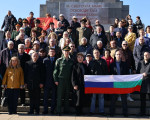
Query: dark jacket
[[127, 54], [49, 68], [144, 68], [103, 30], [5, 42], [66, 23], [23, 59], [119, 42], [138, 53], [78, 75], [122, 30], [98, 67], [94, 38], [9, 23], [5, 57], [85, 49], [110, 37], [34, 75], [75, 25], [123, 68], [83, 32]]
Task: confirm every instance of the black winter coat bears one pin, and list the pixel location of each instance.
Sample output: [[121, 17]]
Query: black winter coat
[[98, 67], [9, 23], [34, 74], [144, 68], [78, 75], [94, 38], [49, 68], [138, 53], [123, 68]]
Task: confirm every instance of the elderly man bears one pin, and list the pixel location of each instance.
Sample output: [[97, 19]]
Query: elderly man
[[84, 48], [23, 57], [74, 23], [63, 21], [98, 36], [139, 50], [34, 79], [52, 44], [97, 23], [5, 56], [59, 30]]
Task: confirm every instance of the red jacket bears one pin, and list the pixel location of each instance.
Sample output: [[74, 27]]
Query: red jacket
[[108, 61]]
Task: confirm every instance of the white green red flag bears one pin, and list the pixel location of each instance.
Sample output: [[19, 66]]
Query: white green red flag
[[112, 84]]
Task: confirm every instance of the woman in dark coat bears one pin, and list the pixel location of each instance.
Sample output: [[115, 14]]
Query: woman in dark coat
[[79, 70], [144, 67]]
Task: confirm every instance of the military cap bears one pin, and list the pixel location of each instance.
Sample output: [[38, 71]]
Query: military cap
[[66, 48], [25, 21], [83, 20], [37, 21]]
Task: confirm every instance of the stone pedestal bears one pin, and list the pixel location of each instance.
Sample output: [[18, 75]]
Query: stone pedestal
[[104, 10]]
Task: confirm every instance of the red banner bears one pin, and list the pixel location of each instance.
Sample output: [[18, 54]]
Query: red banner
[[44, 22]]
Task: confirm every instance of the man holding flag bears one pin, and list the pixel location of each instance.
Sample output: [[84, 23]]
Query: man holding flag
[[144, 68]]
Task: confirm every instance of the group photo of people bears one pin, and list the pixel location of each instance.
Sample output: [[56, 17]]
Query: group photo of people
[[53, 62]]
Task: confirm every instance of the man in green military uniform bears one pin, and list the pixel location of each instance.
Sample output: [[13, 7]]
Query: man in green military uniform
[[15, 32], [83, 31], [26, 28], [62, 77], [37, 28]]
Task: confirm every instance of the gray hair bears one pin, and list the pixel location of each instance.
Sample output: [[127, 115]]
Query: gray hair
[[10, 42], [21, 45]]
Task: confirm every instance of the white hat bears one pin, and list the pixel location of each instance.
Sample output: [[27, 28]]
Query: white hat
[[61, 15], [36, 42]]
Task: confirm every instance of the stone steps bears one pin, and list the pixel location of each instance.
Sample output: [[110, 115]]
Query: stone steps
[[133, 107]]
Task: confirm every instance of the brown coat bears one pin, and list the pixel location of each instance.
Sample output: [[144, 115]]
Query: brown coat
[[13, 78]]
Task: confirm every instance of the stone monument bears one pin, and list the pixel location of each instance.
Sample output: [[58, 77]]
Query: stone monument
[[104, 10]]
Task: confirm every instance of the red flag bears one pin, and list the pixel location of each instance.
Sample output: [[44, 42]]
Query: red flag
[[44, 22]]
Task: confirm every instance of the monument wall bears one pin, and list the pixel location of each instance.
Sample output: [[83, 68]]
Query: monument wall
[[104, 10]]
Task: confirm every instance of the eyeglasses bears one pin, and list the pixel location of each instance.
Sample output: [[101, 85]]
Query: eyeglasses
[[125, 44]]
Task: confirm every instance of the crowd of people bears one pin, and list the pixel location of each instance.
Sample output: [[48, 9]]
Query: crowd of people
[[57, 59]]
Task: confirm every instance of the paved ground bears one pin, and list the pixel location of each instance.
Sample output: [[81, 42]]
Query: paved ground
[[5, 116]]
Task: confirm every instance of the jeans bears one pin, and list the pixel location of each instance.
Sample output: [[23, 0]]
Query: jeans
[[101, 103]]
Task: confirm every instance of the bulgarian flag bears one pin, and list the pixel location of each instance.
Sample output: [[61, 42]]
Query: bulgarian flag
[[44, 22], [112, 84]]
